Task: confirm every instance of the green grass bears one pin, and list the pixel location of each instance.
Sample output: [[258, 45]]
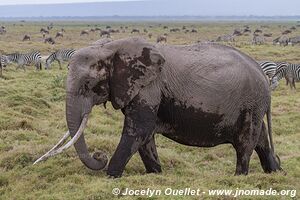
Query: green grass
[[32, 119]]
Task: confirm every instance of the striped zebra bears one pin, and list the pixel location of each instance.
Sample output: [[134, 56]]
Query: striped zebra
[[291, 72], [26, 59], [59, 56], [3, 62], [269, 68]]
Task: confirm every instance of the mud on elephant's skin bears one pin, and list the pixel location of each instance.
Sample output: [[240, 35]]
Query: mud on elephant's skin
[[198, 95]]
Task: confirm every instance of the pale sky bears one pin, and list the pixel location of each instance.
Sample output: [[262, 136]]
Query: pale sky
[[15, 2], [150, 8]]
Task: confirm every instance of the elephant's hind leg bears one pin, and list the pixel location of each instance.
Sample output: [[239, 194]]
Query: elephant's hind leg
[[265, 154], [244, 144], [149, 156]]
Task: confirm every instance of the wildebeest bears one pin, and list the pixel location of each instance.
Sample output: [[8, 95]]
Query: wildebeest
[[104, 32], [150, 35], [44, 31], [135, 31], [194, 31], [237, 32], [161, 38], [59, 34], [267, 35], [286, 32], [258, 31], [246, 30], [26, 38], [174, 30], [84, 32], [49, 40]]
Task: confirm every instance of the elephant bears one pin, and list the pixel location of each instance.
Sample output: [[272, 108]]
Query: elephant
[[199, 95]]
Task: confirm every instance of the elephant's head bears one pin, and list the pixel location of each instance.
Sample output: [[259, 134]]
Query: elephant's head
[[116, 72]]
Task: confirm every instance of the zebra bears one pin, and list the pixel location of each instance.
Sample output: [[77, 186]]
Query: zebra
[[26, 59], [271, 68], [293, 74], [59, 56], [4, 61]]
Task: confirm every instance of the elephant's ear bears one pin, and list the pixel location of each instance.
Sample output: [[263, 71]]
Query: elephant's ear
[[130, 74]]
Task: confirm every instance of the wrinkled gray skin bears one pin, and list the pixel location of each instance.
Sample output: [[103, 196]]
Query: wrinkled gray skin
[[200, 95]]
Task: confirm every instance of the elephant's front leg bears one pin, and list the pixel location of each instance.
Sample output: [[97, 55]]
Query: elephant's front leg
[[138, 129]]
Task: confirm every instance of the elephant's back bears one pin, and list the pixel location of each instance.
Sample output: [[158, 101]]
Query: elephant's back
[[213, 78]]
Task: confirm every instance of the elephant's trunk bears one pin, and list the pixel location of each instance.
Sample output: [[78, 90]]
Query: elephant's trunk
[[76, 108]]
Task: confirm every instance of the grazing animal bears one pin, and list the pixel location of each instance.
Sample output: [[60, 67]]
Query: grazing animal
[[194, 31], [44, 31], [293, 74], [225, 38], [257, 31], [150, 35], [294, 40], [49, 40], [59, 34], [283, 40], [4, 60], [237, 32], [174, 30], [286, 32], [145, 30], [258, 39], [59, 56], [105, 33], [2, 30], [26, 38], [199, 95], [135, 31], [84, 32], [268, 35], [246, 30], [33, 58], [271, 68], [161, 38], [63, 30]]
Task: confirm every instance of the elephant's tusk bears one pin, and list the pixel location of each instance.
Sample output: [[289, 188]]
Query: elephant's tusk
[[54, 150]]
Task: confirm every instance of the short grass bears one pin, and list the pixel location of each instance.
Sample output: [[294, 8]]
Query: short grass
[[32, 119]]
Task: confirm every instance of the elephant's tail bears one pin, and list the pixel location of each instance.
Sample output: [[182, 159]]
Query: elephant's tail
[[269, 121]]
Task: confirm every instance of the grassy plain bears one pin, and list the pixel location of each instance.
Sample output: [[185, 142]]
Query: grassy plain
[[32, 119]]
